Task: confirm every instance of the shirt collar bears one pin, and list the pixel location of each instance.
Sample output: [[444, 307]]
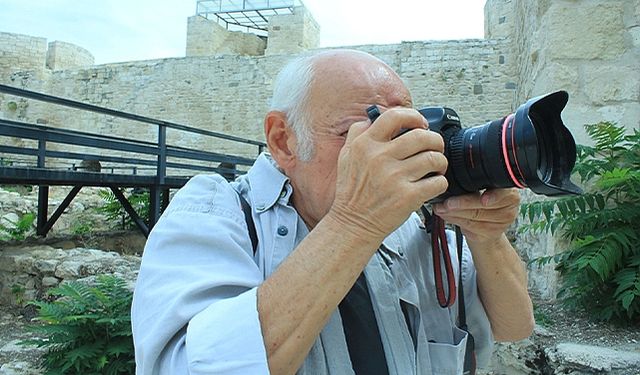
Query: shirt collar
[[391, 244], [268, 183]]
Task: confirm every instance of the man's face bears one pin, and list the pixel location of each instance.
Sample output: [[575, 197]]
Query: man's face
[[345, 85]]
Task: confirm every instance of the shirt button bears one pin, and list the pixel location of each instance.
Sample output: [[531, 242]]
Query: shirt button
[[282, 230]]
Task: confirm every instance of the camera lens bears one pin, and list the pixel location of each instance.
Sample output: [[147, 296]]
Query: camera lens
[[528, 149], [480, 158]]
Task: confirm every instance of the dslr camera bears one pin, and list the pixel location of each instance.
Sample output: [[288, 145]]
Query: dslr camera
[[531, 148]]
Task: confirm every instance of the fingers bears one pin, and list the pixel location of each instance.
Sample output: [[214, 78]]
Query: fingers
[[355, 130], [496, 206], [490, 199], [415, 141], [428, 188], [425, 163], [393, 120]]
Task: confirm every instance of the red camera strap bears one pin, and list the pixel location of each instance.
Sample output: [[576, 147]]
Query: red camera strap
[[440, 250]]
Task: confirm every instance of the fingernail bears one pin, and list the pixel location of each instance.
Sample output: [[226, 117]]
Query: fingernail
[[439, 208], [453, 203]]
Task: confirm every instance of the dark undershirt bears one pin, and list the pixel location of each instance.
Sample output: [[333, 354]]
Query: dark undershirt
[[361, 331]]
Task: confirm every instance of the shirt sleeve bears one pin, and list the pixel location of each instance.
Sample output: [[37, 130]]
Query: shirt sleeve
[[195, 306]]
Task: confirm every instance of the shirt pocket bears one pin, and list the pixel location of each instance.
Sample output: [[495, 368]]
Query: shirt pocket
[[448, 359]]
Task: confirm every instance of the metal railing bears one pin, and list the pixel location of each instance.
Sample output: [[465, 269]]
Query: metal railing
[[136, 155]]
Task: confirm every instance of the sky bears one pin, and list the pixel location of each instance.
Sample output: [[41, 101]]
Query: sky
[[129, 30]]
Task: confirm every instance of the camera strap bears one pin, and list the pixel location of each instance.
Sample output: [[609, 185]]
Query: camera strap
[[440, 254], [440, 248]]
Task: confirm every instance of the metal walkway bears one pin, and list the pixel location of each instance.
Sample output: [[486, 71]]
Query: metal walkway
[[47, 157]]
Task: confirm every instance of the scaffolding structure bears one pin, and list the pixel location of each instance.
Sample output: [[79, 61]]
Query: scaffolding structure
[[245, 15]]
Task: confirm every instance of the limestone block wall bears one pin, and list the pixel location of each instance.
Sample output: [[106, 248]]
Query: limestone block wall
[[207, 38], [63, 55], [21, 53], [498, 18], [589, 48], [230, 93], [474, 77], [292, 33]]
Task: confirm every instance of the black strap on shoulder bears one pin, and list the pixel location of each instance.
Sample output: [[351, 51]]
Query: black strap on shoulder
[[470, 355], [246, 209]]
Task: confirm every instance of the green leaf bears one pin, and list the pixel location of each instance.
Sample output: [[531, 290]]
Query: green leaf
[[600, 268], [626, 299], [87, 328], [600, 201]]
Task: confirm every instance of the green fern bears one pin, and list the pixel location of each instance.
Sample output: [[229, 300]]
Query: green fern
[[600, 267], [113, 210], [87, 329], [17, 231]]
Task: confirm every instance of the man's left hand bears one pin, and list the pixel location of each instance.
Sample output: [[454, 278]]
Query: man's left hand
[[484, 217]]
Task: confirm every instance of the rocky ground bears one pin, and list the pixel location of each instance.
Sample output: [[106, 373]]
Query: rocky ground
[[568, 342]]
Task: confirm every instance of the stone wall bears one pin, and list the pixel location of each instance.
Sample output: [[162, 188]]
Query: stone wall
[[230, 93], [589, 48], [293, 33], [207, 38], [21, 53], [62, 55]]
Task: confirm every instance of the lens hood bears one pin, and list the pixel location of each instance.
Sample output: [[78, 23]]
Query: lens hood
[[546, 150]]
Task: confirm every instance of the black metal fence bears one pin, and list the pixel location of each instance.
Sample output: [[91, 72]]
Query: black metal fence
[[128, 162]]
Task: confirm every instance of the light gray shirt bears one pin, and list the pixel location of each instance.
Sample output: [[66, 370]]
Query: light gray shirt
[[195, 306]]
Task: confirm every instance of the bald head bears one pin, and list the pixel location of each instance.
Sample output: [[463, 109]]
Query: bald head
[[315, 83]]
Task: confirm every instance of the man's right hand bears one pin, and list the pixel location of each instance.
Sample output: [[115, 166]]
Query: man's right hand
[[382, 178]]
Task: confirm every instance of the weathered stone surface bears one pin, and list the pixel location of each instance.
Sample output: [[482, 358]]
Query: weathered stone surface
[[610, 83], [586, 359], [557, 77], [9, 220], [19, 368], [588, 31], [80, 215], [38, 268]]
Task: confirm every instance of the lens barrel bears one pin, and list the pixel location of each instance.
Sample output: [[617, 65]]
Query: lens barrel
[[529, 149]]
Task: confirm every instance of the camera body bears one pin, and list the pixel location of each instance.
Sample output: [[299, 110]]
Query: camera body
[[531, 148]]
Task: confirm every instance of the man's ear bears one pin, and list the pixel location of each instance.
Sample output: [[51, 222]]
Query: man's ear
[[281, 139]]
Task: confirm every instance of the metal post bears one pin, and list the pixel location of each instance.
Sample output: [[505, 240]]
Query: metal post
[[154, 206], [162, 154], [43, 204], [165, 200], [43, 192]]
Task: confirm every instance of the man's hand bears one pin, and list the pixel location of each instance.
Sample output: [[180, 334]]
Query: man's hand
[[502, 279], [484, 217], [381, 179]]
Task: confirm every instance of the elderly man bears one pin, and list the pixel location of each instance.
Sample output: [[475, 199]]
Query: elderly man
[[341, 281]]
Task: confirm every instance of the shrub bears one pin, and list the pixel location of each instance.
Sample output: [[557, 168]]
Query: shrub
[[17, 231], [86, 329], [114, 211], [600, 266]]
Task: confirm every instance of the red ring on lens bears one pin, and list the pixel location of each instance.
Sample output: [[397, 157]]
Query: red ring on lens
[[505, 152], [514, 145]]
